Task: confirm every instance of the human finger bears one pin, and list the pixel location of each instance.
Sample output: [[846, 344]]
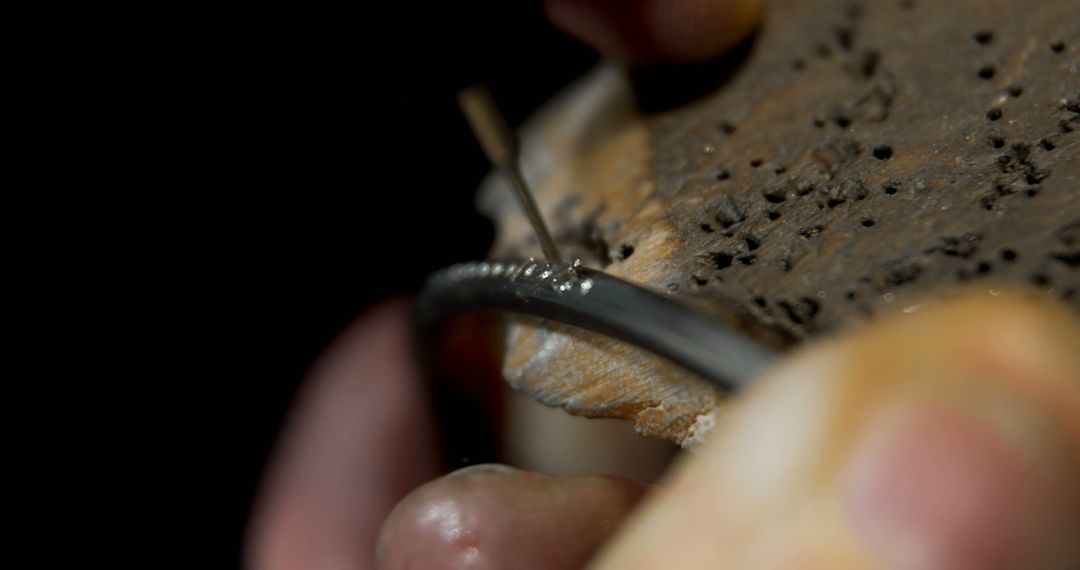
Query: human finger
[[949, 438], [358, 439], [649, 31], [491, 516]]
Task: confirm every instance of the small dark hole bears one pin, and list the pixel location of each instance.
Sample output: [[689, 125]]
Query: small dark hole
[[1031, 179], [1040, 279], [819, 123], [1069, 259], [1031, 192], [982, 268], [984, 36], [986, 72], [850, 295], [776, 197], [707, 228], [843, 122], [798, 65], [834, 202], [1064, 126], [845, 37], [724, 174], [755, 163], [699, 281], [997, 142], [626, 250], [1058, 46], [883, 152], [773, 216], [994, 114], [1047, 144], [1005, 163], [760, 301], [721, 260], [802, 311], [727, 128], [1014, 91], [867, 223], [779, 170], [890, 190], [1008, 255], [869, 63], [752, 244]]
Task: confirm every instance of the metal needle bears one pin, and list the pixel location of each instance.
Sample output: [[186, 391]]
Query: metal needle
[[501, 148]]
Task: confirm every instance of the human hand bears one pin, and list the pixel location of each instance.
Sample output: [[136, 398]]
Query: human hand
[[948, 439], [945, 439], [811, 468]]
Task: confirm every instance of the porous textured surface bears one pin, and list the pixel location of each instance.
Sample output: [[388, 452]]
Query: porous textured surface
[[871, 153], [863, 156]]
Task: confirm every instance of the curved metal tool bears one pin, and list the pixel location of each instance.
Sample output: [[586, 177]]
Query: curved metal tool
[[600, 303], [577, 296]]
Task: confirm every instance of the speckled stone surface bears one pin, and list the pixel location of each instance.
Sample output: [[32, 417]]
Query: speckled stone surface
[[870, 153], [860, 157]]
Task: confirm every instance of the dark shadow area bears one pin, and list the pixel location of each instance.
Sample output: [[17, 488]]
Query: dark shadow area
[[316, 163], [663, 87]]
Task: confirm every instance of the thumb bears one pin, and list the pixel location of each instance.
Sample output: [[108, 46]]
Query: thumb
[[949, 438]]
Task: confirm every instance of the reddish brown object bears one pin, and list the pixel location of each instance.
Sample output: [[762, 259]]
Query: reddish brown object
[[646, 31]]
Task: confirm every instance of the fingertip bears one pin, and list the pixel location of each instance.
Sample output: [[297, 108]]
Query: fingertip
[[657, 31], [901, 446], [940, 487], [492, 516], [321, 502], [688, 31]]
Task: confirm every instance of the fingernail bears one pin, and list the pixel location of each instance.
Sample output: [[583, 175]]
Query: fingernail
[[939, 486]]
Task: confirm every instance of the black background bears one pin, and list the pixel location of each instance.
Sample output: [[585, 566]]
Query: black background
[[314, 161]]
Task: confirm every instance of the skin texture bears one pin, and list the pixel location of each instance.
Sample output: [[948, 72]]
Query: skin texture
[[959, 451], [653, 31], [944, 439], [490, 516], [358, 440], [940, 469]]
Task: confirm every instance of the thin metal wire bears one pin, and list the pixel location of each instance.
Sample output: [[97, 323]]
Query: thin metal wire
[[576, 296], [600, 303], [499, 144]]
